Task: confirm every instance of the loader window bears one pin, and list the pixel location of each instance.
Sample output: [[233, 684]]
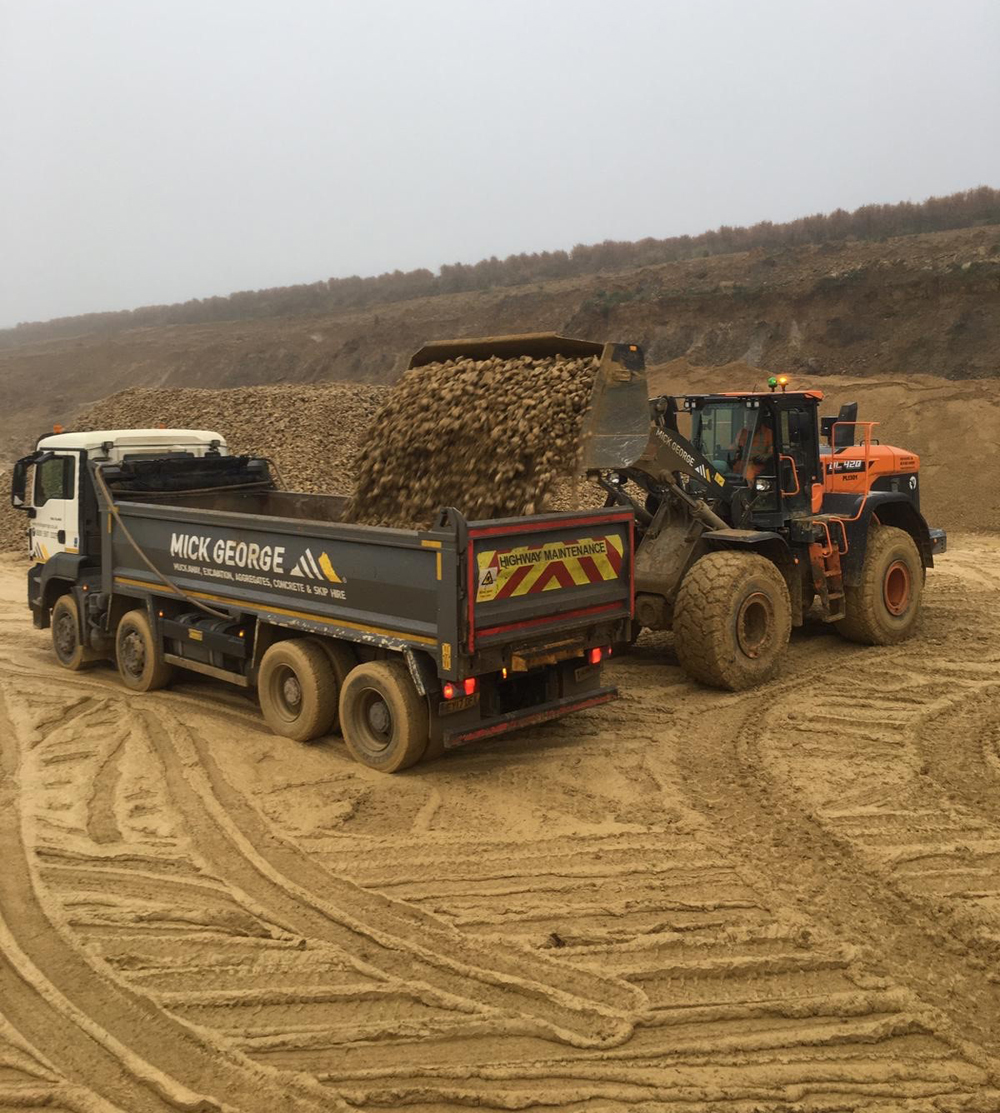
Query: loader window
[[725, 432], [54, 479]]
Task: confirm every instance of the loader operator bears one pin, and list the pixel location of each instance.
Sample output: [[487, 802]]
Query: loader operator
[[753, 448]]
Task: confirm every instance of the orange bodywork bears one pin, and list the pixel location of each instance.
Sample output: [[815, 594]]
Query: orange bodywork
[[853, 470]]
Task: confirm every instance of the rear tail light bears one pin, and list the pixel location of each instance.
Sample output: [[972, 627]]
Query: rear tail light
[[469, 686], [594, 656]]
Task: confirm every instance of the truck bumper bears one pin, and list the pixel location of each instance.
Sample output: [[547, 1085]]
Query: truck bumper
[[939, 541], [515, 720]]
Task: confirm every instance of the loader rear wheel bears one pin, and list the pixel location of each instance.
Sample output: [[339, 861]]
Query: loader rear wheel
[[70, 651], [384, 720], [297, 689], [732, 620], [884, 607], [342, 659], [140, 663]]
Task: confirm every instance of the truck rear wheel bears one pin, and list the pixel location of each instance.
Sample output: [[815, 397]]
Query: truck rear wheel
[[297, 690], [384, 720], [342, 659], [140, 663], [70, 651], [884, 607], [732, 620]]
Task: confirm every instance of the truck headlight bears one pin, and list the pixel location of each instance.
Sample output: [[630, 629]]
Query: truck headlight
[[762, 485]]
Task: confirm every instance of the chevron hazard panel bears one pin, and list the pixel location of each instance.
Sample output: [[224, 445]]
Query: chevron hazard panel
[[507, 573]]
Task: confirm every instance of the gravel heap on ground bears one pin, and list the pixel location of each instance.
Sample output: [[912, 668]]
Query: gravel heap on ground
[[489, 437], [313, 433]]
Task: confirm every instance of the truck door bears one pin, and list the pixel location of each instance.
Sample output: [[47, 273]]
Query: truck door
[[55, 523]]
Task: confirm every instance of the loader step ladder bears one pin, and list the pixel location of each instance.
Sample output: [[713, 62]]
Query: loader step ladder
[[828, 580]]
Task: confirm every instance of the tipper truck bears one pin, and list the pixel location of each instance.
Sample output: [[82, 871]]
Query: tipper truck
[[162, 550]]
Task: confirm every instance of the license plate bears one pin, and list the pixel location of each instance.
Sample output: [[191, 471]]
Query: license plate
[[462, 703], [585, 671]]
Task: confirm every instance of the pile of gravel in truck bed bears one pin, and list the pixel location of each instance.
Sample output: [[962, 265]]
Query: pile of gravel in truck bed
[[313, 433], [490, 437]]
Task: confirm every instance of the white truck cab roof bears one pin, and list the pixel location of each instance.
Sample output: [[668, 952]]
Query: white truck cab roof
[[136, 442]]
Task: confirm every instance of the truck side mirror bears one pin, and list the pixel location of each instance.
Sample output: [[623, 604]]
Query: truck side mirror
[[19, 480]]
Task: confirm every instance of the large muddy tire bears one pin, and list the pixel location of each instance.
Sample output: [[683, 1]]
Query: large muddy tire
[[70, 651], [140, 663], [383, 718], [297, 689], [342, 659], [884, 607], [732, 620]]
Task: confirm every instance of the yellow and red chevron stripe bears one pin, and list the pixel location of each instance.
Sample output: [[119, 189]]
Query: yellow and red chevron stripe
[[547, 566]]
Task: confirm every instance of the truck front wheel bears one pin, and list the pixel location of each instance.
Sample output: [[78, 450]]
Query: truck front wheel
[[384, 720], [297, 690], [140, 663], [732, 620], [70, 651]]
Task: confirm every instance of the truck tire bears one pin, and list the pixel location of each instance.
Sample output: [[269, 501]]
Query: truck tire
[[342, 659], [384, 719], [140, 663], [70, 651], [297, 689], [884, 607], [732, 620]]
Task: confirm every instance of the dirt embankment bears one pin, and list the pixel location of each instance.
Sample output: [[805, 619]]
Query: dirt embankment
[[316, 434], [924, 304]]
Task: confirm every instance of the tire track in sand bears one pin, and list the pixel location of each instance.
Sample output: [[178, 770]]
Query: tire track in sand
[[100, 1034], [819, 777], [535, 995]]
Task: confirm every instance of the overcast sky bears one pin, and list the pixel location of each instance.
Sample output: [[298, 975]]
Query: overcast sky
[[157, 150]]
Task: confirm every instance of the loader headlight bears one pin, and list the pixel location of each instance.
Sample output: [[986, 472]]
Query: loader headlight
[[762, 484]]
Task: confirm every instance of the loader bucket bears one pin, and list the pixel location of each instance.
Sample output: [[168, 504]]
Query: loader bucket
[[538, 345], [616, 426]]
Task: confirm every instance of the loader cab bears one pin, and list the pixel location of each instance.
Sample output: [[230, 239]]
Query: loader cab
[[766, 447]]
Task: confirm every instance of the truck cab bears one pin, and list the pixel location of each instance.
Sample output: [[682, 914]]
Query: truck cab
[[50, 485]]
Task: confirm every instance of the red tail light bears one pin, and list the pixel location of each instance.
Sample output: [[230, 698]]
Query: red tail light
[[594, 656], [470, 684], [448, 690]]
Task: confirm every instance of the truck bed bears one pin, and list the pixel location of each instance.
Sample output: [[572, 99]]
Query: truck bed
[[468, 594]]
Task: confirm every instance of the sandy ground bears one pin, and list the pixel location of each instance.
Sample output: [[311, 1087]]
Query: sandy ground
[[786, 899]]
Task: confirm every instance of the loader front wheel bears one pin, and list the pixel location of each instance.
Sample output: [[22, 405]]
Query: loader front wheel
[[140, 663], [732, 620], [384, 720], [884, 607], [297, 689]]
